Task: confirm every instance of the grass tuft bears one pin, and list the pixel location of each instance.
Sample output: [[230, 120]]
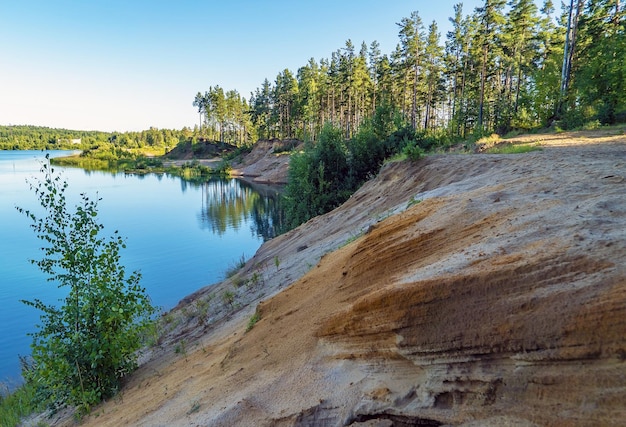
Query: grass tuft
[[238, 265], [413, 201], [513, 149], [195, 407], [17, 404], [253, 321]]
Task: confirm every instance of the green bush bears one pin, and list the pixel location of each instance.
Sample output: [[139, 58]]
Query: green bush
[[577, 117], [367, 155], [413, 151], [83, 348], [235, 267], [324, 175], [317, 178]]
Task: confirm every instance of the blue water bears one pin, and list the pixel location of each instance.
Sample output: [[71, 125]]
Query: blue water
[[180, 236]]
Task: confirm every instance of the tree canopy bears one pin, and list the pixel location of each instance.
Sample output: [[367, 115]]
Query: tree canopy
[[507, 65]]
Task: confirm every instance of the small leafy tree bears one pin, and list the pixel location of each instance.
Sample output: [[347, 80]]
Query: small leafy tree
[[83, 348]]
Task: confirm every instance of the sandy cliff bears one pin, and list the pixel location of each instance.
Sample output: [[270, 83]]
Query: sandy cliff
[[267, 162], [465, 290]]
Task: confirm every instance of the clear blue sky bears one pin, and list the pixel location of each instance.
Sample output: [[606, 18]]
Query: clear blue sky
[[122, 65]]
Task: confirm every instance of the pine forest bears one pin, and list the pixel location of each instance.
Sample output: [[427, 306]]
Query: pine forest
[[506, 66]]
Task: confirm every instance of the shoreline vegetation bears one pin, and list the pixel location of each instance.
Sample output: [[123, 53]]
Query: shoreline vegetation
[[178, 162]]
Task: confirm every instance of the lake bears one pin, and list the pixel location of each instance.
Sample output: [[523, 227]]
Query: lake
[[181, 236]]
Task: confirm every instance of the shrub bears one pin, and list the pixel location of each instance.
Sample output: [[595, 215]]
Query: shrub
[[367, 154], [255, 280], [228, 297], [413, 151], [592, 125], [317, 178], [83, 348]]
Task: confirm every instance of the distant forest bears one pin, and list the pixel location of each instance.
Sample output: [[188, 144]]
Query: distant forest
[[40, 138], [507, 66]]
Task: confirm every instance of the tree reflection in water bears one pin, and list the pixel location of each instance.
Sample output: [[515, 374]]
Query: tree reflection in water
[[231, 203]]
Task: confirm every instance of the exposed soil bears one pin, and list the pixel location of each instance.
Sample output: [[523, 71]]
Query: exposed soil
[[470, 290], [268, 162]]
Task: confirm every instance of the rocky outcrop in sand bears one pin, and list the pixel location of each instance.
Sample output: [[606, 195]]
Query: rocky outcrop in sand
[[465, 290]]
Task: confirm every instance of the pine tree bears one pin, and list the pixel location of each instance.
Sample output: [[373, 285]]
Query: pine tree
[[411, 50], [433, 75], [490, 19], [523, 27]]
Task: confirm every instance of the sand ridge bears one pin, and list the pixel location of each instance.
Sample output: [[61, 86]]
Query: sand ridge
[[456, 290]]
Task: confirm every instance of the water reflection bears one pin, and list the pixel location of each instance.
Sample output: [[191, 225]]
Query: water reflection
[[229, 203], [268, 214]]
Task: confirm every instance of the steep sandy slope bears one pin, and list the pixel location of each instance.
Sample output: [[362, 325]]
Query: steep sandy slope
[[459, 290], [268, 162]]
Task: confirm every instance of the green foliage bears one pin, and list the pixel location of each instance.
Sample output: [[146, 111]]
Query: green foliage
[[367, 153], [513, 148], [224, 169], [44, 138], [413, 201], [406, 136], [500, 68], [40, 138], [111, 158], [490, 139], [413, 151], [600, 74], [592, 125], [255, 280], [253, 321], [83, 348], [195, 407], [202, 307], [327, 173], [228, 298], [224, 116], [152, 333], [181, 347], [234, 268], [317, 178], [17, 404], [576, 118], [238, 282], [238, 152]]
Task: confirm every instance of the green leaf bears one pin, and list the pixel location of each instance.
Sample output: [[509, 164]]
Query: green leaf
[[78, 347]]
